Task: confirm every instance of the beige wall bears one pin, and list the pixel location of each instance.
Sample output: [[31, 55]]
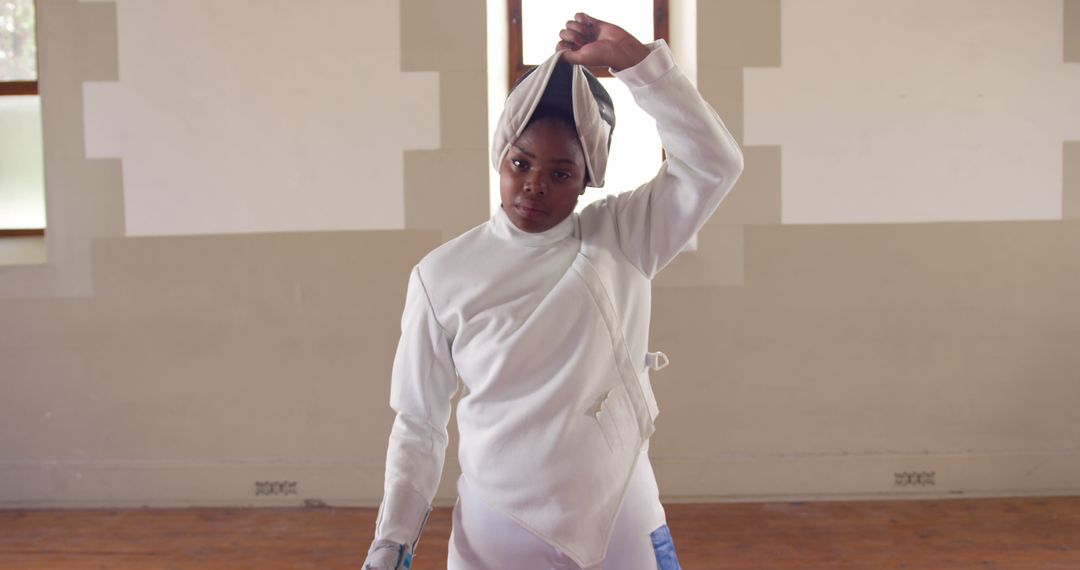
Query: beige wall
[[809, 361]]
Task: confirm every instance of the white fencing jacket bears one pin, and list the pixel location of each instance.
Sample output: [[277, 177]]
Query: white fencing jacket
[[548, 333]]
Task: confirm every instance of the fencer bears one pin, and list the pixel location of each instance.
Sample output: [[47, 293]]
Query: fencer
[[543, 314]]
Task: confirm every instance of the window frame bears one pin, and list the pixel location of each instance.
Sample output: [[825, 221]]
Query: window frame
[[11, 88], [517, 66]]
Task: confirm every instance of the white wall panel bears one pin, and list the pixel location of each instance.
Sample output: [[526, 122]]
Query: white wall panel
[[918, 110], [258, 116]]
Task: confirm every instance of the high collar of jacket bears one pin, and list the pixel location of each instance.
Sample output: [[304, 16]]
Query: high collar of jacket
[[504, 228]]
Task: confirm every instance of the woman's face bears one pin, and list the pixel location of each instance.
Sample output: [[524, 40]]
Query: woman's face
[[542, 175]]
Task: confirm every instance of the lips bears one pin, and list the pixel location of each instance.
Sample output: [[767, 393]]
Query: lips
[[530, 210]]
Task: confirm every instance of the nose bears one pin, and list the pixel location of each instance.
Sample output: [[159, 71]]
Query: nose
[[535, 182]]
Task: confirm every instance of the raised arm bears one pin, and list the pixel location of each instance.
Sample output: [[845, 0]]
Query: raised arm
[[423, 382], [703, 161]]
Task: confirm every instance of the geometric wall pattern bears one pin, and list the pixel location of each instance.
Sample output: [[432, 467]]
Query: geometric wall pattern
[[918, 111], [235, 117], [807, 360]]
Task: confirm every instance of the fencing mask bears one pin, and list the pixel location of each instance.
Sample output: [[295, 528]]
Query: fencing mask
[[567, 88]]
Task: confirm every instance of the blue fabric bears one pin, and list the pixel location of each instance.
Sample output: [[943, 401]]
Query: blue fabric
[[664, 548]]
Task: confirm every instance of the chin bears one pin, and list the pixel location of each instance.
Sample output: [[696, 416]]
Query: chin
[[531, 226]]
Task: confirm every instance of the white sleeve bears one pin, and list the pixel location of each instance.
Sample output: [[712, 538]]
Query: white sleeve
[[422, 384], [703, 161]]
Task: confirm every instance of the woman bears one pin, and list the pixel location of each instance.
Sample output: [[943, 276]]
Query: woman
[[544, 316]]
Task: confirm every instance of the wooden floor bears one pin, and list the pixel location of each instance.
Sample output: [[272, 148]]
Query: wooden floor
[[1006, 534]]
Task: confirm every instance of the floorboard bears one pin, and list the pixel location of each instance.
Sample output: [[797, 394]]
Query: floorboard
[[1005, 534]]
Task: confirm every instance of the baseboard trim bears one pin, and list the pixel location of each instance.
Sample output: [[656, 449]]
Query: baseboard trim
[[359, 483]]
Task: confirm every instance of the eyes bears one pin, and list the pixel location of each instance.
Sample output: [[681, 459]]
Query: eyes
[[523, 165]]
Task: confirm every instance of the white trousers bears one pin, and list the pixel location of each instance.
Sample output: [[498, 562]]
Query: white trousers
[[483, 538]]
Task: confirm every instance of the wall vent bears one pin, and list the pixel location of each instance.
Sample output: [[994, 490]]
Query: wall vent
[[275, 488], [914, 479]]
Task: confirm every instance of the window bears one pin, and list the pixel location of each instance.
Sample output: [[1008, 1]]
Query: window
[[534, 26], [22, 195]]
